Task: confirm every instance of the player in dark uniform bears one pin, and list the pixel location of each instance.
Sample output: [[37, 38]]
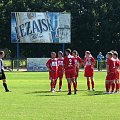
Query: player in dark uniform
[[2, 74]]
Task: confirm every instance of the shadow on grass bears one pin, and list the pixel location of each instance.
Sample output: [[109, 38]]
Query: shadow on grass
[[57, 93], [94, 93], [35, 92], [52, 95], [82, 90], [40, 92], [47, 93]]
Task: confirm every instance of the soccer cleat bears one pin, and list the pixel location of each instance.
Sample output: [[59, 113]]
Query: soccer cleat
[[106, 92], [117, 92], [8, 91], [60, 90], [69, 94], [93, 89], [53, 90], [75, 93]]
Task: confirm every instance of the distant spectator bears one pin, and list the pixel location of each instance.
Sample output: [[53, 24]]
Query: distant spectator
[[106, 58], [99, 58]]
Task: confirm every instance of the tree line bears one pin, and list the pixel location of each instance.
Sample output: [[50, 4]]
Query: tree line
[[95, 25]]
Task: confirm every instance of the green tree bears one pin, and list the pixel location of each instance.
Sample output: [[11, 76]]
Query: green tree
[[95, 25]]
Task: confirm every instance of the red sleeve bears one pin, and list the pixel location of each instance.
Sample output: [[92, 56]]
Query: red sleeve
[[84, 61], [64, 61], [73, 61], [92, 59], [118, 63], [48, 63], [79, 60], [108, 62]]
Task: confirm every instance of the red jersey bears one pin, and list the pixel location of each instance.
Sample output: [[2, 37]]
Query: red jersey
[[89, 66], [78, 61], [112, 64], [60, 64], [69, 62], [52, 64], [117, 64], [88, 62]]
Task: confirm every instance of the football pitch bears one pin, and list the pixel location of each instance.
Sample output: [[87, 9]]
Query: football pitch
[[30, 99]]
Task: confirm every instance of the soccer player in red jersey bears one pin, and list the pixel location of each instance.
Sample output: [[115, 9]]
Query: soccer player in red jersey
[[60, 69], [70, 70], [52, 65], [78, 63], [110, 78], [117, 65], [89, 63]]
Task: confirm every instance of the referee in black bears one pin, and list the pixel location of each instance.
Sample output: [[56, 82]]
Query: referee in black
[[2, 74]]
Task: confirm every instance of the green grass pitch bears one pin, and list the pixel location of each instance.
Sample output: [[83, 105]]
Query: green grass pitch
[[30, 99]]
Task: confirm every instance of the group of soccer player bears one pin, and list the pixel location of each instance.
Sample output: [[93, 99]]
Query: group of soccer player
[[70, 65], [112, 79]]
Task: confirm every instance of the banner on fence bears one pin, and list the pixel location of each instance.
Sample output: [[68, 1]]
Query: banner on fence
[[37, 64]]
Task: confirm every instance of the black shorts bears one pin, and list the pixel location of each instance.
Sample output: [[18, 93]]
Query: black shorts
[[3, 75]]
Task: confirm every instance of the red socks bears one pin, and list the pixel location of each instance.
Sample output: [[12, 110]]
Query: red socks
[[88, 84], [107, 85], [74, 85], [55, 82], [92, 82], [113, 87], [52, 84], [117, 87], [60, 84], [69, 87]]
